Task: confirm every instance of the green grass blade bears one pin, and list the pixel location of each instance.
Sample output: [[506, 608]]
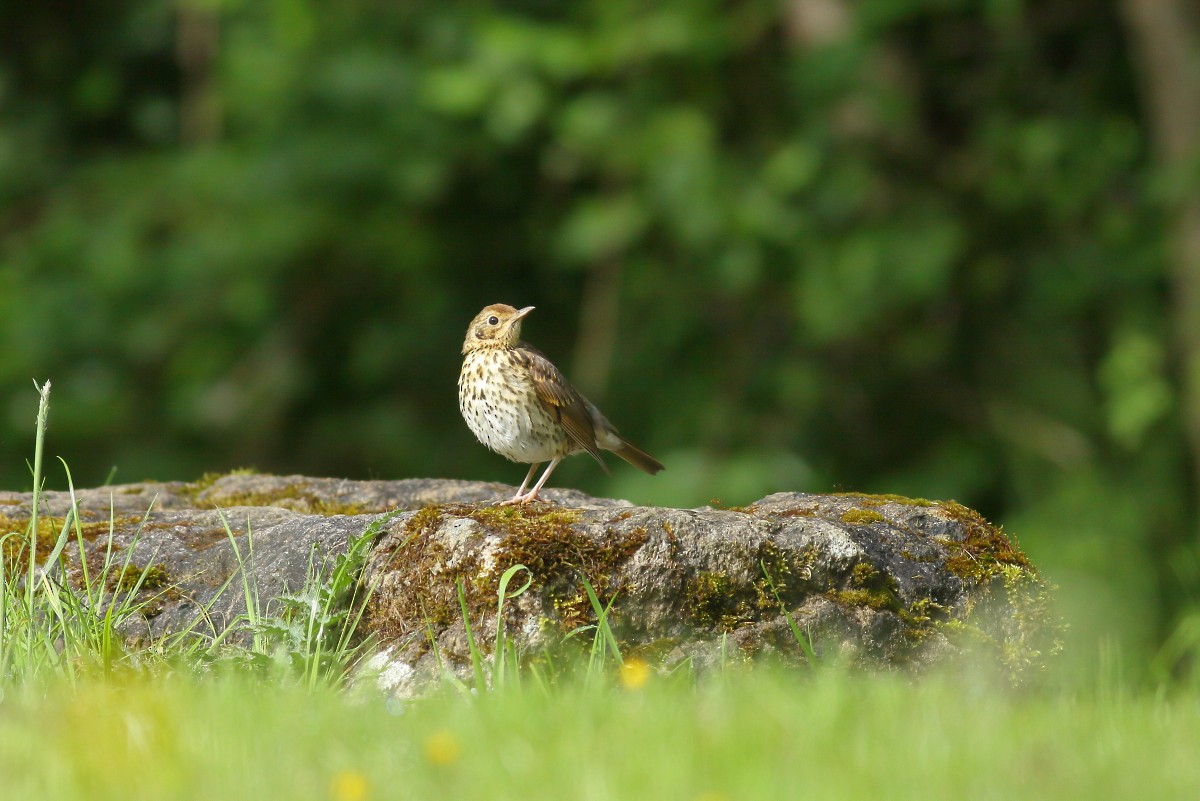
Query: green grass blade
[[604, 638], [38, 449], [476, 656], [802, 638], [500, 648]]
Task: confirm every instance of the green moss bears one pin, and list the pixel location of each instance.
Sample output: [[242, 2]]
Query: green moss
[[154, 592], [420, 556], [869, 587], [542, 538], [1012, 622], [790, 575], [328, 508], [720, 506], [714, 602], [925, 612], [860, 597], [524, 520], [152, 577], [15, 548], [1011, 615], [879, 500], [1034, 634], [155, 577], [712, 605], [864, 575], [424, 520], [862, 517], [295, 496], [208, 479], [1008, 612], [985, 550]]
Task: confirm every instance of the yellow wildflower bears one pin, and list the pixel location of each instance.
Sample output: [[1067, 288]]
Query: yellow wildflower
[[634, 673], [348, 785], [442, 748]]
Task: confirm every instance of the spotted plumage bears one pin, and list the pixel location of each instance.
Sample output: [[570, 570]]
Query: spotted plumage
[[519, 405]]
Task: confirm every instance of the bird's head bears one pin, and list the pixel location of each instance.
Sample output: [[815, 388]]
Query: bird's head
[[498, 325]]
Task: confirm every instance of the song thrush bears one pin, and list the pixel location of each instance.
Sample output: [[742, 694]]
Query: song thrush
[[519, 405]]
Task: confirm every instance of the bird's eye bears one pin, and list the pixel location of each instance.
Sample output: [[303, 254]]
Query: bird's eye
[[493, 320]]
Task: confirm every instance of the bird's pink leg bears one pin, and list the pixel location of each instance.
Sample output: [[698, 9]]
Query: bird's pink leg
[[532, 495], [525, 483]]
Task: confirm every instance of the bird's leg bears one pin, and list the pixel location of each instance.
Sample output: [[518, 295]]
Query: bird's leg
[[532, 495], [520, 496], [517, 498], [525, 483]]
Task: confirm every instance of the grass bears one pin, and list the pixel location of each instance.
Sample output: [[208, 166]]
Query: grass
[[746, 735], [83, 715]]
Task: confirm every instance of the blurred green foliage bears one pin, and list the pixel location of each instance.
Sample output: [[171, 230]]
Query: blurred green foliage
[[907, 246]]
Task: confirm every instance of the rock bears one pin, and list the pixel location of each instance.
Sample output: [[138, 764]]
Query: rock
[[193, 537], [872, 580]]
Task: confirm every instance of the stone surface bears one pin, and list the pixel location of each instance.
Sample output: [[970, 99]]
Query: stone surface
[[874, 580]]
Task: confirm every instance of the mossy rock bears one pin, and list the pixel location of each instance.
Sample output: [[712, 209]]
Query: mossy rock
[[890, 581], [880, 580]]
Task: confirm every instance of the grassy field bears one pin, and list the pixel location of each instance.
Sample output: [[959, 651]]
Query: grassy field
[[757, 734]]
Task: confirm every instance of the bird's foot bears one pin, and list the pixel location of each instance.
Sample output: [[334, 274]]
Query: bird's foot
[[519, 499]]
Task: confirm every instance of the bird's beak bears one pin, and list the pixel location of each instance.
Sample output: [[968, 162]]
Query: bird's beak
[[522, 313]]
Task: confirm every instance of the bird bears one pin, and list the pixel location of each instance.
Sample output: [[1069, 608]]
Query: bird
[[518, 404]]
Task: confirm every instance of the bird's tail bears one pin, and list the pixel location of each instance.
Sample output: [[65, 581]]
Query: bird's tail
[[636, 456]]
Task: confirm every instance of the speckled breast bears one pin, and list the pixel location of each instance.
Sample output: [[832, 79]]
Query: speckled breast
[[501, 409]]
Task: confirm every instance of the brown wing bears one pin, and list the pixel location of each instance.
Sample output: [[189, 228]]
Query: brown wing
[[562, 400]]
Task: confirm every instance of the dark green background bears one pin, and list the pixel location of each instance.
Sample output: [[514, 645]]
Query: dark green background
[[917, 247]]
